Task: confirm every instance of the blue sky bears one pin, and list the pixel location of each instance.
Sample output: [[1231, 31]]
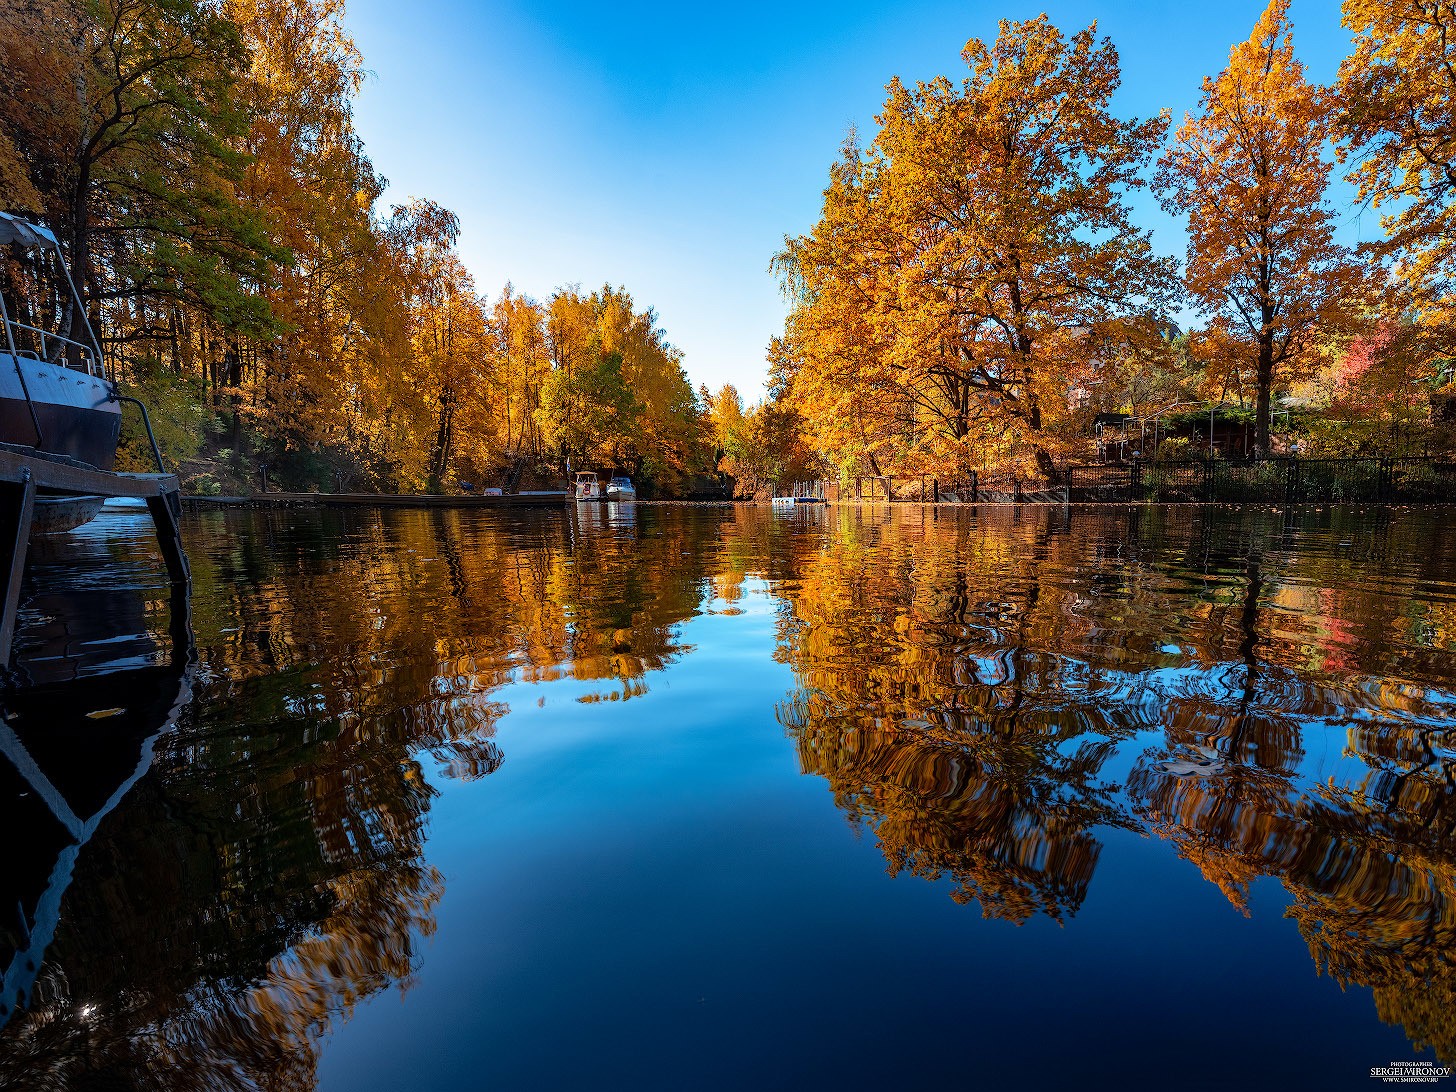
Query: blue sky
[[668, 148]]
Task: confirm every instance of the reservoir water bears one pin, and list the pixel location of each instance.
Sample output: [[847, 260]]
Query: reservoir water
[[657, 797]]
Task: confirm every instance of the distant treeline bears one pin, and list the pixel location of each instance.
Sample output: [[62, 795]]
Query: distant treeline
[[199, 162]]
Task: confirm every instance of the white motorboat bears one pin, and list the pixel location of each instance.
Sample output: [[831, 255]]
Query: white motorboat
[[588, 487]]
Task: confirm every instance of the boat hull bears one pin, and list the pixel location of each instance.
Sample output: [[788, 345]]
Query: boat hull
[[78, 414], [56, 514]]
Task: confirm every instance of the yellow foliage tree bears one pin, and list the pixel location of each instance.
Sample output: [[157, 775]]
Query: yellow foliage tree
[[1250, 172], [1398, 89], [520, 361], [943, 301]]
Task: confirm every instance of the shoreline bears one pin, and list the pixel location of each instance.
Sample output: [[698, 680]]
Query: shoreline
[[560, 500], [378, 500]]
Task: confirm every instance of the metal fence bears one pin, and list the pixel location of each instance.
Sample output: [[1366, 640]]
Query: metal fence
[[1281, 480], [1274, 480]]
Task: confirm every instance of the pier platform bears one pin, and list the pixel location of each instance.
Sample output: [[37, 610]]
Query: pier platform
[[26, 474], [545, 499]]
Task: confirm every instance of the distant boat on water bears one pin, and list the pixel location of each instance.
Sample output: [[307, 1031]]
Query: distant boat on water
[[588, 487]]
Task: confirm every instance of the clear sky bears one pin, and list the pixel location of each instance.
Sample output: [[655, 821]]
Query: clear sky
[[669, 148]]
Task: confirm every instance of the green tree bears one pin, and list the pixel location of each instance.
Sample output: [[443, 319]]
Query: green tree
[[588, 412], [126, 115]]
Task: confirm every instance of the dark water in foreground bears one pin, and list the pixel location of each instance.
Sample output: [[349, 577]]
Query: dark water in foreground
[[713, 798]]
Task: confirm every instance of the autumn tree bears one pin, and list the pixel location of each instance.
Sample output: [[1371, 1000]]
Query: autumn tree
[[726, 426], [617, 391], [589, 412], [200, 163], [16, 191], [1140, 364], [519, 365], [665, 443], [1250, 171], [446, 325], [1383, 388], [308, 178], [1398, 121], [774, 451], [1398, 116], [124, 114], [943, 299]]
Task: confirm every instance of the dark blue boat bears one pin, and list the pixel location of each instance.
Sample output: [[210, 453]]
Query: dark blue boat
[[55, 396]]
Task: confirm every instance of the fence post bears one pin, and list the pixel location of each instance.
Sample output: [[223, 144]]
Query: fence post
[[1135, 480], [1385, 479], [889, 489], [975, 487], [1208, 471], [935, 490], [1291, 480]]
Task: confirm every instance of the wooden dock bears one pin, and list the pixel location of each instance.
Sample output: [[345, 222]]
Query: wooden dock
[[26, 473], [381, 500]]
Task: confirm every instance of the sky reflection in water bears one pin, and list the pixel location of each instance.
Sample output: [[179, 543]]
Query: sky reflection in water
[[1118, 796]]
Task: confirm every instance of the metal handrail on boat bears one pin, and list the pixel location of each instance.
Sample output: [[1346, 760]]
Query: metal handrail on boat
[[146, 420], [87, 352], [20, 373]]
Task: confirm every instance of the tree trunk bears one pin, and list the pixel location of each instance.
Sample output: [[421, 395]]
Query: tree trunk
[[233, 363], [1265, 381], [441, 458], [80, 257], [1046, 465]]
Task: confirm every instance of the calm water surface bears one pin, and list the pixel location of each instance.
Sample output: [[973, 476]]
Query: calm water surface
[[674, 797]]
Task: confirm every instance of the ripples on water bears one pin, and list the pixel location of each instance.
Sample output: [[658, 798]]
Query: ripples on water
[[996, 699]]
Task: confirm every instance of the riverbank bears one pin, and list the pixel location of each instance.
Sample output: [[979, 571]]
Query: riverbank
[[554, 499]]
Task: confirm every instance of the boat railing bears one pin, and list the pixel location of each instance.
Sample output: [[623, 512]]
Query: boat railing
[[89, 363]]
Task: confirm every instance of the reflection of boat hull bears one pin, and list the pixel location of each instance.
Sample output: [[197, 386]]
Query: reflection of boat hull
[[115, 720], [78, 415], [64, 513]]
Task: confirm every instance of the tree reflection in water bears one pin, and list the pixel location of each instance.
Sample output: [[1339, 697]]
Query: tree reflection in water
[[268, 873], [990, 692], [965, 681]]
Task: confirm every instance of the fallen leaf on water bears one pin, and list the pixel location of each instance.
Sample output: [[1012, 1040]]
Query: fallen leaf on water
[[104, 713], [1184, 768]]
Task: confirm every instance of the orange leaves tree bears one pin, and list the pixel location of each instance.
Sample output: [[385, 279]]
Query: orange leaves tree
[[617, 394], [307, 176], [943, 301], [121, 113], [199, 161], [1398, 87], [519, 364], [1250, 172]]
